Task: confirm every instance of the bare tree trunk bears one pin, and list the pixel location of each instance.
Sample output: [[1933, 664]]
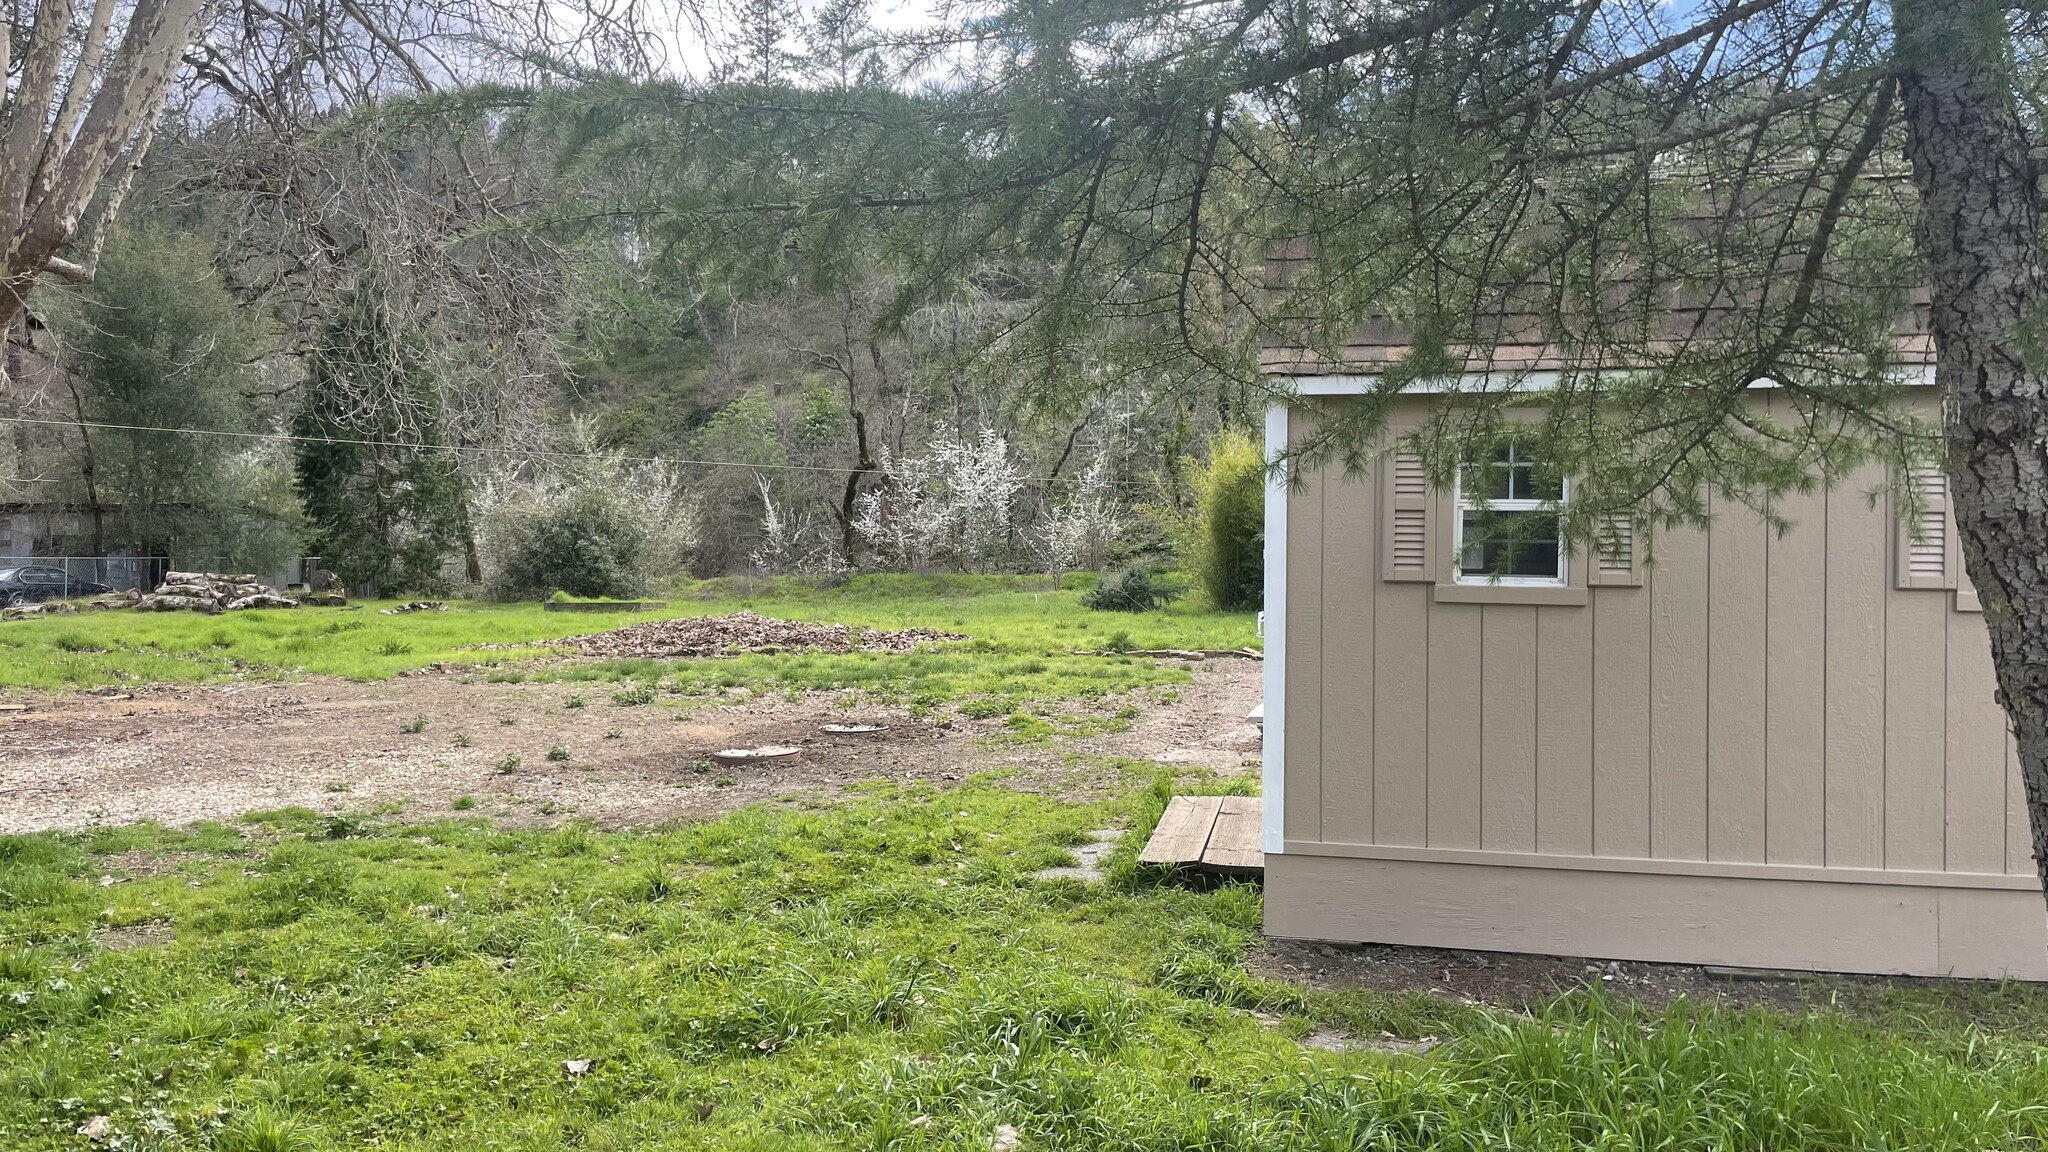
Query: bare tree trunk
[[89, 470], [465, 527], [1981, 239], [849, 498], [472, 562]]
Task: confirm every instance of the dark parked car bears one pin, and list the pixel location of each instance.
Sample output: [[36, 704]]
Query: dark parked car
[[33, 584]]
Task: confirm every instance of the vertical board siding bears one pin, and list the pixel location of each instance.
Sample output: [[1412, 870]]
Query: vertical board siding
[[1759, 698], [1678, 698], [1976, 751], [1455, 719], [1858, 578], [1621, 721], [1737, 620], [2019, 835], [1915, 725], [1303, 814], [1347, 700], [1564, 731], [1400, 738], [1795, 683], [1507, 708]]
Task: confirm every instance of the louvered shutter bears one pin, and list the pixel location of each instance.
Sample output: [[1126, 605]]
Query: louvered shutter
[[1928, 556], [1407, 530], [1616, 560]]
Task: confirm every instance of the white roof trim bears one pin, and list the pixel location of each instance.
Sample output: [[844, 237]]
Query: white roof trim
[[1357, 384]]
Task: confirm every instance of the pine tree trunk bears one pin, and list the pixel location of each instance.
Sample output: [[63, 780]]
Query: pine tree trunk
[[1981, 240]]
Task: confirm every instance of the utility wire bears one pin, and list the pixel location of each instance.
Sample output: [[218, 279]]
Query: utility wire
[[549, 453]]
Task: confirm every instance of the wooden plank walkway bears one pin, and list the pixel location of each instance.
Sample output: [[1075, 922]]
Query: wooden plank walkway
[[1214, 833]]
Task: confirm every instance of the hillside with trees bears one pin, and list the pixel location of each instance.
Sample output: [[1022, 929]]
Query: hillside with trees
[[347, 313]]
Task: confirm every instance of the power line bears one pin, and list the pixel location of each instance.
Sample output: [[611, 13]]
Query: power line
[[548, 453]]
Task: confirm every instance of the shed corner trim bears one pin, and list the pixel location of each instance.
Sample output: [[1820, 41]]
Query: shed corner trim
[[1273, 740]]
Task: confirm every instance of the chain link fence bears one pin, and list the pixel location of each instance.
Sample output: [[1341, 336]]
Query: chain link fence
[[28, 579], [32, 578]]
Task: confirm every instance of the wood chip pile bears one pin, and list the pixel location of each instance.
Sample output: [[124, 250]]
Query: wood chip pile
[[744, 632]]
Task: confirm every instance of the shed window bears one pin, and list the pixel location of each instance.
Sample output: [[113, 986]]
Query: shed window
[[1507, 520]]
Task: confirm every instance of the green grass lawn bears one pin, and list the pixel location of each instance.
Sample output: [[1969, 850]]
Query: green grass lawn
[[876, 974], [879, 971], [1022, 632]]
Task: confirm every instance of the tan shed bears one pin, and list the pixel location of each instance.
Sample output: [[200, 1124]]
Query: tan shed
[[1761, 750]]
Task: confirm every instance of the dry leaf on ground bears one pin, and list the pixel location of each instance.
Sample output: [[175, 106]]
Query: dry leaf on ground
[[747, 632]]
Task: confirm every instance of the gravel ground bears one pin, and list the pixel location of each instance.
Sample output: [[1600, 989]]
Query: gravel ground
[[180, 754]]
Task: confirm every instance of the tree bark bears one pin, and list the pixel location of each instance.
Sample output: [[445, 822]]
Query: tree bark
[[1980, 237], [89, 471], [849, 499], [472, 561], [48, 174]]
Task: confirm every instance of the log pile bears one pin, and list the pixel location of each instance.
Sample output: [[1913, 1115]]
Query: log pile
[[212, 592], [207, 592], [46, 608], [329, 593]]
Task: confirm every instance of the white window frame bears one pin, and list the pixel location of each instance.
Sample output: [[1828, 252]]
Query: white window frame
[[1459, 506]]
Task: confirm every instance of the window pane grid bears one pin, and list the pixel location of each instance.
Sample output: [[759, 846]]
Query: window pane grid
[[1513, 535]]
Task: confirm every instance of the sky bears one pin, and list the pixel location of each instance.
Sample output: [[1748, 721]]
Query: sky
[[690, 55]]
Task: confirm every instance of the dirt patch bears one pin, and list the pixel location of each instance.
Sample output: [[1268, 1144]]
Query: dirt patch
[[743, 632], [1520, 982], [154, 934], [140, 862], [897, 749], [1088, 858], [426, 743], [1201, 725]]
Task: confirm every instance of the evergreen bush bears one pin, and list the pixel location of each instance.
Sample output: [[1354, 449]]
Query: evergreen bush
[[1222, 539]]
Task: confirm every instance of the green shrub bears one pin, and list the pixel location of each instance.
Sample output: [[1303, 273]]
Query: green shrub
[[588, 542], [1222, 539], [1134, 589]]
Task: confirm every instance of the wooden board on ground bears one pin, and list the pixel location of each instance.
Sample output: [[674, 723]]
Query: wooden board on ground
[[1183, 831], [1216, 833], [1234, 841]]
